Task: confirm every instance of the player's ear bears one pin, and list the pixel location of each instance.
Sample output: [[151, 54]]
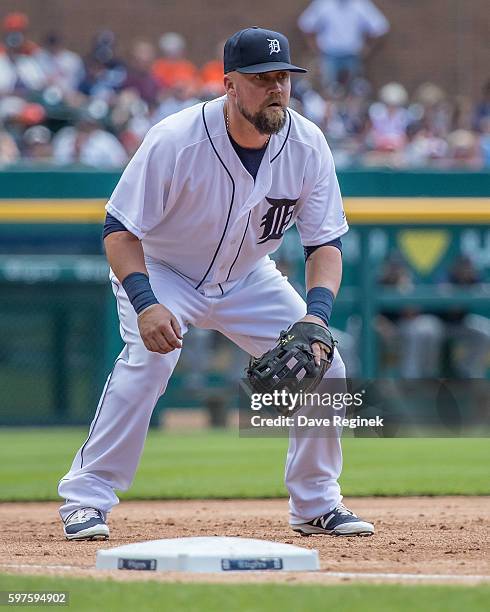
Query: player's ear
[[229, 84]]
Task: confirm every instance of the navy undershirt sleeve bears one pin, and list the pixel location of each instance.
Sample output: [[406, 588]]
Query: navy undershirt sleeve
[[337, 243], [111, 224], [250, 158]]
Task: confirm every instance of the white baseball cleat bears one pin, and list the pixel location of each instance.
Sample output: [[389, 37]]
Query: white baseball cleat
[[340, 522], [86, 524]]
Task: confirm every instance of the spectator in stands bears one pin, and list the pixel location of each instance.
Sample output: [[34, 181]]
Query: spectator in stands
[[432, 108], [63, 68], [88, 144], [211, 75], [20, 69], [175, 99], [130, 119], [9, 152], [485, 141], [456, 343], [463, 150], [481, 124], [97, 81], [430, 130], [423, 147], [482, 110], [344, 32], [430, 117], [403, 332], [15, 26], [36, 144], [18, 115], [348, 115], [467, 334], [139, 75], [313, 105], [105, 74], [389, 118], [173, 67], [104, 50]]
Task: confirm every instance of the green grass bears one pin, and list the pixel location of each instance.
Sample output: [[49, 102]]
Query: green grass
[[148, 595], [220, 464]]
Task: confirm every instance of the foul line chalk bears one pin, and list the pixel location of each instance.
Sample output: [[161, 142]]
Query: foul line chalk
[[33, 566], [350, 575], [374, 576]]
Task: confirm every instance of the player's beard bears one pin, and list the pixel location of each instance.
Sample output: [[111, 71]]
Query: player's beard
[[270, 120]]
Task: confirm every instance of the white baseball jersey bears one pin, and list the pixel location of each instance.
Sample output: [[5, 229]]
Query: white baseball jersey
[[187, 196]]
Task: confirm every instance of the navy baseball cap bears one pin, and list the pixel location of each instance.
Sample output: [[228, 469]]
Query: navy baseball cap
[[256, 50]]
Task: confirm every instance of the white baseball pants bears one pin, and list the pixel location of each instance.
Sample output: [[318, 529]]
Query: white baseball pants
[[251, 313]]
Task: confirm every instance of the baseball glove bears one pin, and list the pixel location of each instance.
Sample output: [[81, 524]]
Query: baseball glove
[[290, 365]]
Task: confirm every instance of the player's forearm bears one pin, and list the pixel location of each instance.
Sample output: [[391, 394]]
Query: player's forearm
[[125, 254], [158, 327], [324, 269]]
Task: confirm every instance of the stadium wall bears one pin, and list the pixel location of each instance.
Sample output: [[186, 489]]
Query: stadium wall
[[433, 41], [57, 317]]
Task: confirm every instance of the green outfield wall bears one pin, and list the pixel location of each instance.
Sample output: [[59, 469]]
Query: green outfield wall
[[69, 182], [57, 313]]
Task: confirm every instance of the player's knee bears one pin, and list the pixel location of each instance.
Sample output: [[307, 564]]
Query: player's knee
[[141, 357], [152, 369]]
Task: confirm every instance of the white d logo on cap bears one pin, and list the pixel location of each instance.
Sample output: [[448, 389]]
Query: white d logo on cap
[[274, 45]]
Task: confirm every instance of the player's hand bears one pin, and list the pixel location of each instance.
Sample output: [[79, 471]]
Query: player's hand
[[320, 351], [159, 329]]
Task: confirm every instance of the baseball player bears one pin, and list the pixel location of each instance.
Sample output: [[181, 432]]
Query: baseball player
[[189, 229]]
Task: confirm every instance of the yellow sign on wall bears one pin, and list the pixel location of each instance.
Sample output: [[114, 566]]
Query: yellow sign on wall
[[424, 249]]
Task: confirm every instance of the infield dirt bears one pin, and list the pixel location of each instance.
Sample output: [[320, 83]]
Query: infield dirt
[[414, 535]]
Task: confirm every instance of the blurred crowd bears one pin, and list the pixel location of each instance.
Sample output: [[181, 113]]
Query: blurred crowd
[[420, 343], [58, 107]]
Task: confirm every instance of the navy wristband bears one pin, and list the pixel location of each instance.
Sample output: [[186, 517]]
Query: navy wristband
[[319, 302], [139, 291]]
